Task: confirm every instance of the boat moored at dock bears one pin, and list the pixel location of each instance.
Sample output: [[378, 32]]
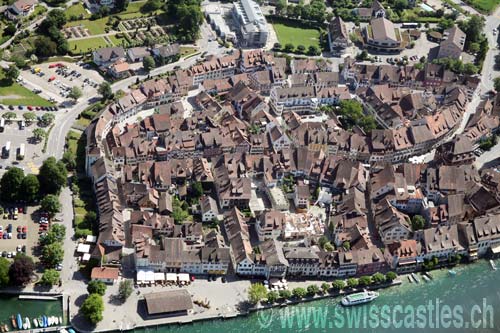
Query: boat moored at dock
[[359, 298]]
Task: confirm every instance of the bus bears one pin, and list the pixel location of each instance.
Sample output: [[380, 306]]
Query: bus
[[410, 25], [20, 152], [6, 150], [2, 125]]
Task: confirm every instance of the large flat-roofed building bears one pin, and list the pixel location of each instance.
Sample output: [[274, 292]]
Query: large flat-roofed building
[[168, 303], [382, 36], [251, 23]]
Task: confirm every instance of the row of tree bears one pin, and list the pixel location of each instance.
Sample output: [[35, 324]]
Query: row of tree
[[313, 50], [258, 292], [52, 246], [18, 273], [14, 185], [314, 11]]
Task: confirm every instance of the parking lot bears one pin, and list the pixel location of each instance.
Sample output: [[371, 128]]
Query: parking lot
[[26, 226], [53, 81], [422, 47], [12, 133]]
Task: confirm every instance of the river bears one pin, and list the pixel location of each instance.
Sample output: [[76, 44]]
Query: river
[[474, 289], [12, 305]]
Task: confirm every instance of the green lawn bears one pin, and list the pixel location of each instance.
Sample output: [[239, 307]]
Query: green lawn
[[134, 7], [72, 140], [76, 10], [15, 94], [134, 10], [485, 6], [95, 27], [118, 41], [86, 45], [187, 50], [296, 36]]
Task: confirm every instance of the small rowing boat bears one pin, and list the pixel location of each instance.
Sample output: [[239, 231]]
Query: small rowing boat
[[35, 322], [13, 322], [19, 321], [493, 266]]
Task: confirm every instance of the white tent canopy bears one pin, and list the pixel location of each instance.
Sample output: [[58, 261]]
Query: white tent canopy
[[83, 248], [141, 276], [183, 277], [150, 276], [86, 257], [171, 277], [145, 276], [91, 239], [159, 276]]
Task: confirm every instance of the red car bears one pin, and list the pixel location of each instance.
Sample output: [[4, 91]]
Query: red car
[[19, 229], [52, 65], [30, 108], [25, 229]]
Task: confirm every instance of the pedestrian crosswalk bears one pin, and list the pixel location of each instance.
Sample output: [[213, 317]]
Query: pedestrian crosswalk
[[33, 168]]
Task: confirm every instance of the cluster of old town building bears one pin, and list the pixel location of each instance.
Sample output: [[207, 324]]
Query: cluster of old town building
[[281, 177]]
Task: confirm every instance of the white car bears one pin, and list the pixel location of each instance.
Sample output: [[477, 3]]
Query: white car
[[19, 248]]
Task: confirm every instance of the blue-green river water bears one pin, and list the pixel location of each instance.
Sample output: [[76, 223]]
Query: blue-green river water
[[12, 305], [467, 302]]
